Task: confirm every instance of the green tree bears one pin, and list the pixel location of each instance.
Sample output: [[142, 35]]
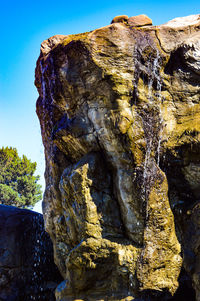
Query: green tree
[[18, 185]]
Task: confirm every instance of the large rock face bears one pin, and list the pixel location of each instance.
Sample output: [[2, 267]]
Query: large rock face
[[27, 270], [119, 110]]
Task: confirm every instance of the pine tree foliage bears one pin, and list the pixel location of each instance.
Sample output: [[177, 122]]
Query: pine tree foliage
[[18, 184]]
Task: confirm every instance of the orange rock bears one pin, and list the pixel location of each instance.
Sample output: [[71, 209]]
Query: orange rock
[[120, 19], [140, 20]]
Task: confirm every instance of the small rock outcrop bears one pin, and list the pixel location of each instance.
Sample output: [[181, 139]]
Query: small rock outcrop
[[141, 20], [27, 269], [119, 110], [136, 21], [120, 19]]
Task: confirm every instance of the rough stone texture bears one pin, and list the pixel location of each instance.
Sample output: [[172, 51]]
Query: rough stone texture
[[141, 20], [120, 19], [27, 270], [136, 21], [119, 111]]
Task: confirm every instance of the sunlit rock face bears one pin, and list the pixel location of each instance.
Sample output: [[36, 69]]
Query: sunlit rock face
[[119, 111], [27, 270]]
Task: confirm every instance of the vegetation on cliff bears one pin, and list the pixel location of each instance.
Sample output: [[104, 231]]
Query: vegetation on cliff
[[18, 185]]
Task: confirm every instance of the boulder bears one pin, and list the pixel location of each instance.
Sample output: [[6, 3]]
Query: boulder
[[141, 20], [27, 269], [119, 112], [120, 19]]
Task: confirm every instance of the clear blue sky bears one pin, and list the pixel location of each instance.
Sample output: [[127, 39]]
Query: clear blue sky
[[24, 25]]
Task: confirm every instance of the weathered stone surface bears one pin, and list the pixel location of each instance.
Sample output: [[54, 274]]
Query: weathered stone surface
[[119, 111], [136, 21], [192, 20], [141, 20], [27, 270], [120, 19]]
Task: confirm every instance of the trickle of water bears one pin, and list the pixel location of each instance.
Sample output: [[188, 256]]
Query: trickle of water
[[131, 280], [146, 161], [158, 150], [43, 69], [154, 71], [51, 79], [154, 76], [152, 122], [37, 276]]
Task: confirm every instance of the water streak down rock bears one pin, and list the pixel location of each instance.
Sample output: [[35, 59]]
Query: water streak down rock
[[27, 269], [119, 110]]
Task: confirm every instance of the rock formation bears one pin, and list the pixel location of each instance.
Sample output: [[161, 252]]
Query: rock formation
[[119, 110], [27, 270]]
